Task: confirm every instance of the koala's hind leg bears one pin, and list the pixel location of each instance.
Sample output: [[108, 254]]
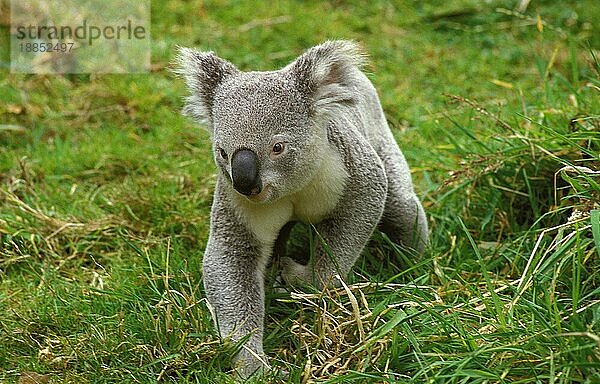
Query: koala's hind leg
[[404, 219]]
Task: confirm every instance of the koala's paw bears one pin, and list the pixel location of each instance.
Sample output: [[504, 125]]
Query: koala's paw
[[279, 285], [248, 365], [251, 373], [294, 273]]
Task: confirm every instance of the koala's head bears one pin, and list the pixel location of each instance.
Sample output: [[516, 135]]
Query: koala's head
[[269, 129]]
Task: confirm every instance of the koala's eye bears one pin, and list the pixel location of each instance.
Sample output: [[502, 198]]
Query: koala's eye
[[278, 148], [223, 154]]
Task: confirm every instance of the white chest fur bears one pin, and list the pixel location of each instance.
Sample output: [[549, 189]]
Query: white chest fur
[[311, 204], [320, 196]]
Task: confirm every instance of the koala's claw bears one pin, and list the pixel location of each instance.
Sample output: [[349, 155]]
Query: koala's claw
[[279, 285], [294, 273]]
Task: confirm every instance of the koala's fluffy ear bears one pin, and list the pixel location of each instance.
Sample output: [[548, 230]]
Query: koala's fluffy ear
[[202, 72], [325, 73]]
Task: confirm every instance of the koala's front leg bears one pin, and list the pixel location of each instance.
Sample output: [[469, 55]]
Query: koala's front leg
[[233, 266], [348, 228]]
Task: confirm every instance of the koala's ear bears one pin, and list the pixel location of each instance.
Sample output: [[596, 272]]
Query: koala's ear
[[202, 72], [325, 73]]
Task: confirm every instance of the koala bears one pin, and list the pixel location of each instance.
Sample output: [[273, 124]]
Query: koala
[[310, 143]]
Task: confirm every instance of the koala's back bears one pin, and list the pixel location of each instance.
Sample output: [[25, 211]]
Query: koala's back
[[366, 115]]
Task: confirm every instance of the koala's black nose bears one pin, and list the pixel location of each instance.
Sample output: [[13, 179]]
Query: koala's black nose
[[244, 172]]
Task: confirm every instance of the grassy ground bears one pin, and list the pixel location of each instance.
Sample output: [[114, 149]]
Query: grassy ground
[[105, 193]]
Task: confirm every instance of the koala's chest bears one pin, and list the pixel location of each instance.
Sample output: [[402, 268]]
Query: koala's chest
[[321, 195], [314, 202]]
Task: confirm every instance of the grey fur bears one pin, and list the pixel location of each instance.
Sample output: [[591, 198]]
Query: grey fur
[[341, 170]]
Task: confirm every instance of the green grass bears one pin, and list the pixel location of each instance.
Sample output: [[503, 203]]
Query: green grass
[[105, 194]]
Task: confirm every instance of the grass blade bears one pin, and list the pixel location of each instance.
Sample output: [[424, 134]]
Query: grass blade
[[595, 217]]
